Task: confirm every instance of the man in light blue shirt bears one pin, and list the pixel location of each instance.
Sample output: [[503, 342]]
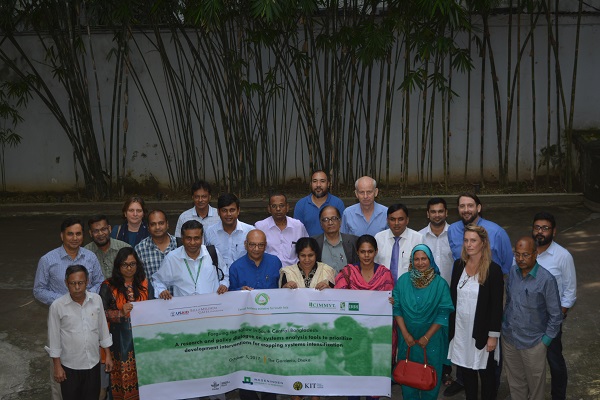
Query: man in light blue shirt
[[201, 212], [368, 216], [229, 233], [307, 209], [532, 319], [49, 283]]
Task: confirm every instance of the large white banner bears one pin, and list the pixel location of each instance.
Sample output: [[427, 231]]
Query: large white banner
[[296, 342]]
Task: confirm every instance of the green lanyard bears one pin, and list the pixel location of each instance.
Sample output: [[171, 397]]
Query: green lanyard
[[190, 272]]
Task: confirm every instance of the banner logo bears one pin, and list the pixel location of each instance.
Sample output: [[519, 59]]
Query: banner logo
[[262, 299], [353, 307]]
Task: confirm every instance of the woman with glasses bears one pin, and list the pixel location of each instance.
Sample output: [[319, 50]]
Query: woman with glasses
[[476, 288], [127, 284], [307, 273]]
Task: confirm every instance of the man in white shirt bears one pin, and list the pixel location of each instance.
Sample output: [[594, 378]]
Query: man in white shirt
[[558, 261], [435, 235], [201, 212], [189, 269], [228, 235], [396, 243], [282, 231], [76, 327]]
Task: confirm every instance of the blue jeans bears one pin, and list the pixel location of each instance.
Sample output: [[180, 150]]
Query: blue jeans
[[558, 368]]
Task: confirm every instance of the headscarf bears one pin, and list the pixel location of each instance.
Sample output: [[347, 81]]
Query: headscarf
[[422, 279]]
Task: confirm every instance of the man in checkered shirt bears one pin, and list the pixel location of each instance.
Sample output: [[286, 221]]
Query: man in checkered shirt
[[155, 247]]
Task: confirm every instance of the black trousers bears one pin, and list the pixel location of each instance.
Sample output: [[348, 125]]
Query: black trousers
[[471, 378], [81, 384]]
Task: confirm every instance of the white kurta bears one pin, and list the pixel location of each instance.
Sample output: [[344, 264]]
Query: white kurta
[[462, 350]]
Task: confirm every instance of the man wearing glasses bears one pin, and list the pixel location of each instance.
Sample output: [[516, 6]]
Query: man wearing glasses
[[336, 249], [559, 262], [102, 245], [255, 269], [282, 231], [530, 324]]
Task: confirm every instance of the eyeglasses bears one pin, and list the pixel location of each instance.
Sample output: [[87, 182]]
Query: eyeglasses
[[545, 228], [78, 283], [524, 256], [101, 230], [332, 219], [130, 265], [259, 246]]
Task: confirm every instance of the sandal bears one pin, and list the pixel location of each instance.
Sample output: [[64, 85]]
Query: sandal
[[447, 379]]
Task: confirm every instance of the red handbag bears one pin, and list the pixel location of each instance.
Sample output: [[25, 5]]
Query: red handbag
[[414, 374]]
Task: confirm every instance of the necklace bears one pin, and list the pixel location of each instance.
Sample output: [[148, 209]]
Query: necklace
[[464, 281]]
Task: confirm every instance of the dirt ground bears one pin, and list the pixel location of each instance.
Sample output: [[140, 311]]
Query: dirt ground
[[31, 230]]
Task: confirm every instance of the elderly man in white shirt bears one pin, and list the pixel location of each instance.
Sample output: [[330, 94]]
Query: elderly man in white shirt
[[395, 243], [76, 327]]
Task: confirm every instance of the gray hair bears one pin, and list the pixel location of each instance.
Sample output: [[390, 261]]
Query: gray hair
[[373, 180]]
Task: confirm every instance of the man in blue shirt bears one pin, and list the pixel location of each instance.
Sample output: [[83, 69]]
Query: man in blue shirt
[[368, 216], [255, 270], [532, 318], [469, 210], [307, 208]]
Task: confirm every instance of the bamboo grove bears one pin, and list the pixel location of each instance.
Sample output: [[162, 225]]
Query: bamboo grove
[[243, 84]]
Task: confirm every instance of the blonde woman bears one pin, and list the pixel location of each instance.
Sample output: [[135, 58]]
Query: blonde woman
[[476, 288]]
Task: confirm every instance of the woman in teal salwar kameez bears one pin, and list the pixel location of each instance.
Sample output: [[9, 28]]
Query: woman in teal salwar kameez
[[422, 305]]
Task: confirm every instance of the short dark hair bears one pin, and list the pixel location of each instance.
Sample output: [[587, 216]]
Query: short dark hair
[[228, 199], [436, 200], [70, 222], [201, 185], [471, 195], [134, 199], [546, 216], [309, 242], [274, 193], [97, 218], [158, 210], [321, 171], [324, 208], [191, 224], [366, 239], [73, 269], [396, 207]]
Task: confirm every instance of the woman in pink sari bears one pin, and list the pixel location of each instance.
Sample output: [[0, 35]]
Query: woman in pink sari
[[366, 275]]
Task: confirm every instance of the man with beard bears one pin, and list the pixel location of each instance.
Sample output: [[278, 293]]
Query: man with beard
[[282, 231], [102, 245], [469, 210], [154, 248], [307, 208], [435, 235], [559, 262]]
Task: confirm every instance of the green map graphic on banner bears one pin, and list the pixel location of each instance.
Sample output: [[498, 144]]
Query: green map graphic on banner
[[271, 333]]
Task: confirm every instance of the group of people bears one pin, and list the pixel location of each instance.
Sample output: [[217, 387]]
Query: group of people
[[447, 283]]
